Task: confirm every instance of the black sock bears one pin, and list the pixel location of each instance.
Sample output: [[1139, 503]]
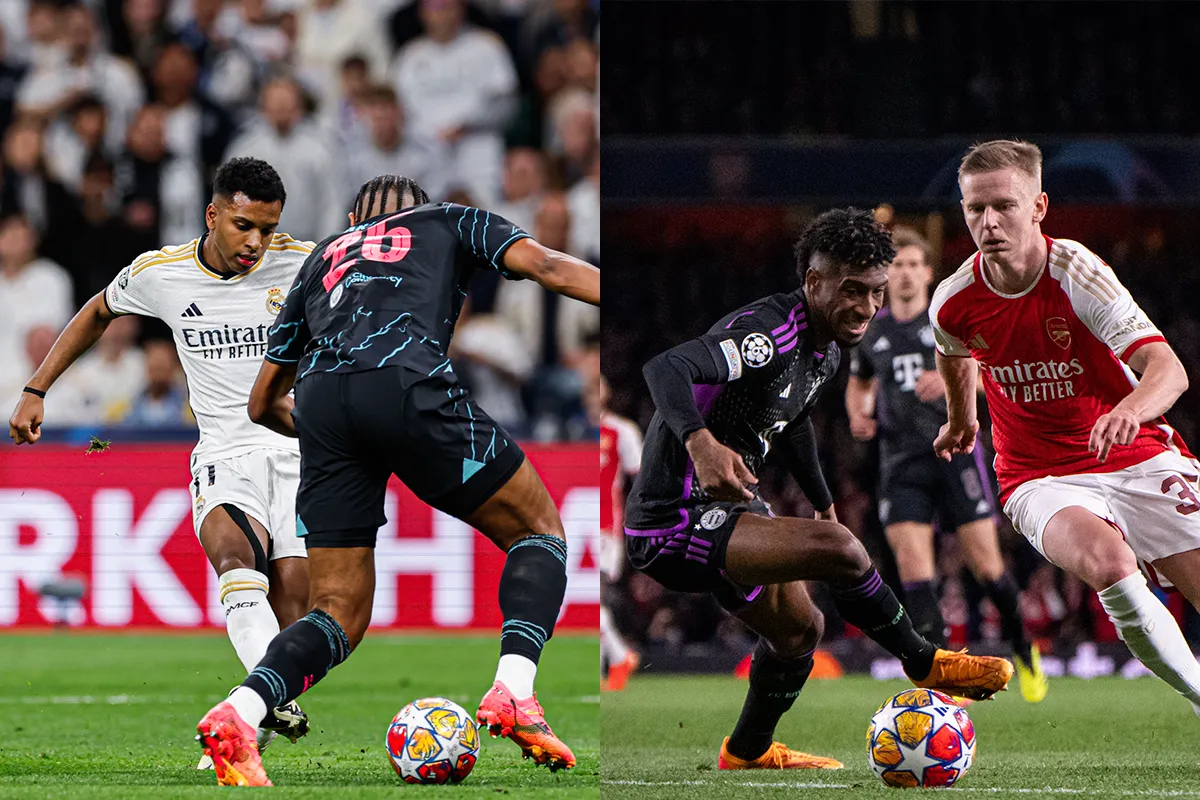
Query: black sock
[[869, 604], [1003, 594], [774, 685], [921, 601], [532, 586], [298, 657]]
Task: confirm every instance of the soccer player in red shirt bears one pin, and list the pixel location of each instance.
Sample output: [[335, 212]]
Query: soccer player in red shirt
[[1077, 378]]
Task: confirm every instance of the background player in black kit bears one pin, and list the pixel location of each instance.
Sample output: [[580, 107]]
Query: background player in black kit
[[895, 392], [694, 520], [364, 333]]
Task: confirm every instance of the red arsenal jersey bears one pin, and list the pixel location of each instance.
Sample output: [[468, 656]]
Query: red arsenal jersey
[[1053, 361], [620, 455]]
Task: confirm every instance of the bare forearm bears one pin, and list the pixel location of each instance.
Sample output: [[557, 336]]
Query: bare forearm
[[1161, 385], [278, 417], [959, 375], [570, 277], [860, 397], [80, 334]]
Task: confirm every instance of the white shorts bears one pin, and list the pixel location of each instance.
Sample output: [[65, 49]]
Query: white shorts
[[263, 484], [1155, 505], [612, 555]]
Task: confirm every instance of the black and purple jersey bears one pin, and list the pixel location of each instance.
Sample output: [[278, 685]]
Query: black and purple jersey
[[753, 376]]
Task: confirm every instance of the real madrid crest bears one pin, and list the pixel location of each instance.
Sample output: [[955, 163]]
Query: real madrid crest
[[274, 300]]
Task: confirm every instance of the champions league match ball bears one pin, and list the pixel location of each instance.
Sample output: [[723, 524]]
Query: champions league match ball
[[433, 740], [920, 738]]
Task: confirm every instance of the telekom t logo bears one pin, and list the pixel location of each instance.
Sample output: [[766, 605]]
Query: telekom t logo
[[907, 368]]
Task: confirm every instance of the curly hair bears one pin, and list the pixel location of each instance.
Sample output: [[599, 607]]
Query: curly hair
[[850, 236], [254, 178], [365, 205]]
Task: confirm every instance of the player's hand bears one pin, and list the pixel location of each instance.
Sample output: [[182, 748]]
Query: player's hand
[[722, 473], [862, 427], [828, 515], [954, 440], [1116, 427], [930, 386], [25, 424]]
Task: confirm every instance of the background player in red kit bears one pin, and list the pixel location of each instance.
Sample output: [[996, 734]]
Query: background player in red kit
[[1090, 472], [620, 457]]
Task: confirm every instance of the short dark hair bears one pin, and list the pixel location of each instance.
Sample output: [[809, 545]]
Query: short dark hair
[[254, 178], [908, 237], [378, 188], [849, 236]]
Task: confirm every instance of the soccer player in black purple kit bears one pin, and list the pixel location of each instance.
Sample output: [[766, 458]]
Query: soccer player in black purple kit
[[695, 521]]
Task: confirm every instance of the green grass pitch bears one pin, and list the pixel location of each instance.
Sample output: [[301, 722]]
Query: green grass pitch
[[99, 716], [1107, 737]]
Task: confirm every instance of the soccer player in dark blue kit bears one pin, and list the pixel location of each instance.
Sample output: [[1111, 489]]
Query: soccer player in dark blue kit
[[695, 521], [363, 336]]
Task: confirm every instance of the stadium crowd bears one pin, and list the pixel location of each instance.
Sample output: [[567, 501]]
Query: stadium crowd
[[115, 114]]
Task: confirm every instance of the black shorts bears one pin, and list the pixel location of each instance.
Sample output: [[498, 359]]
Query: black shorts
[[690, 555], [919, 489], [358, 429]]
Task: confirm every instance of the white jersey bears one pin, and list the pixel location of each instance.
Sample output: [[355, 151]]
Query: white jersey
[[221, 329]]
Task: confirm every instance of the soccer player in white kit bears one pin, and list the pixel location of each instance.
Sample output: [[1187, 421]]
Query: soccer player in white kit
[[1090, 472], [220, 294]]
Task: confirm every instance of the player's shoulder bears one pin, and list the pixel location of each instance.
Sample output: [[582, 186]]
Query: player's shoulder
[[763, 315], [288, 252], [152, 262], [1076, 267], [957, 285], [622, 425]]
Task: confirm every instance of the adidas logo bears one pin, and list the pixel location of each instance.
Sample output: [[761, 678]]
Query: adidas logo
[[882, 344], [786, 392], [192, 311], [977, 342]]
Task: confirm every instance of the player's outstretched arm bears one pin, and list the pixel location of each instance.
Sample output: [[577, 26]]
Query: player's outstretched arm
[[860, 405], [1163, 381], [87, 326], [557, 271], [800, 453], [269, 404], [959, 373]]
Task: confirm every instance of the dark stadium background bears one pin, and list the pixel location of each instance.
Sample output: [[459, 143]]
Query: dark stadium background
[[727, 126]]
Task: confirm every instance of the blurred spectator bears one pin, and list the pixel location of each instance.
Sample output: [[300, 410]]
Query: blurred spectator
[[70, 140], [388, 149], [555, 25], [226, 70], [197, 129], [458, 85], [161, 194], [164, 402], [583, 201], [26, 189], [89, 237], [52, 88], [107, 379], [256, 33], [11, 73], [494, 363], [329, 32], [343, 120], [138, 30], [576, 137], [33, 292], [38, 44], [290, 144], [524, 185]]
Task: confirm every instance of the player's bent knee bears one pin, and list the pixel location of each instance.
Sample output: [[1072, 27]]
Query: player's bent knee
[[1109, 568], [353, 617], [847, 557], [800, 639]]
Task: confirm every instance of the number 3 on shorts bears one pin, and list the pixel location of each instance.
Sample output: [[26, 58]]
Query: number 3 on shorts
[[1183, 491]]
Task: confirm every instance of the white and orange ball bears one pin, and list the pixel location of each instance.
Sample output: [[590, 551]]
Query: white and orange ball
[[920, 738]]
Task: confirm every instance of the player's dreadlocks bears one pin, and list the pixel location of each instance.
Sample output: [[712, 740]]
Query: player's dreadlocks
[[365, 205], [849, 236]]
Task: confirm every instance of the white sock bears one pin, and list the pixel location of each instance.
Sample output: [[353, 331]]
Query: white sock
[[517, 673], [249, 620], [249, 706], [1151, 634], [611, 643]]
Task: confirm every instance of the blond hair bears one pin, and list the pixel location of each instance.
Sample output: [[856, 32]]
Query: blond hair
[[908, 237], [1000, 154]]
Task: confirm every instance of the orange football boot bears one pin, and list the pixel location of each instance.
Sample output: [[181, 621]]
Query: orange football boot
[[778, 756], [524, 722], [231, 745], [962, 675], [618, 674]]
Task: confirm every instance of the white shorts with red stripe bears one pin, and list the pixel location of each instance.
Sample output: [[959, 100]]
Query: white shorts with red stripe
[[1155, 505]]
